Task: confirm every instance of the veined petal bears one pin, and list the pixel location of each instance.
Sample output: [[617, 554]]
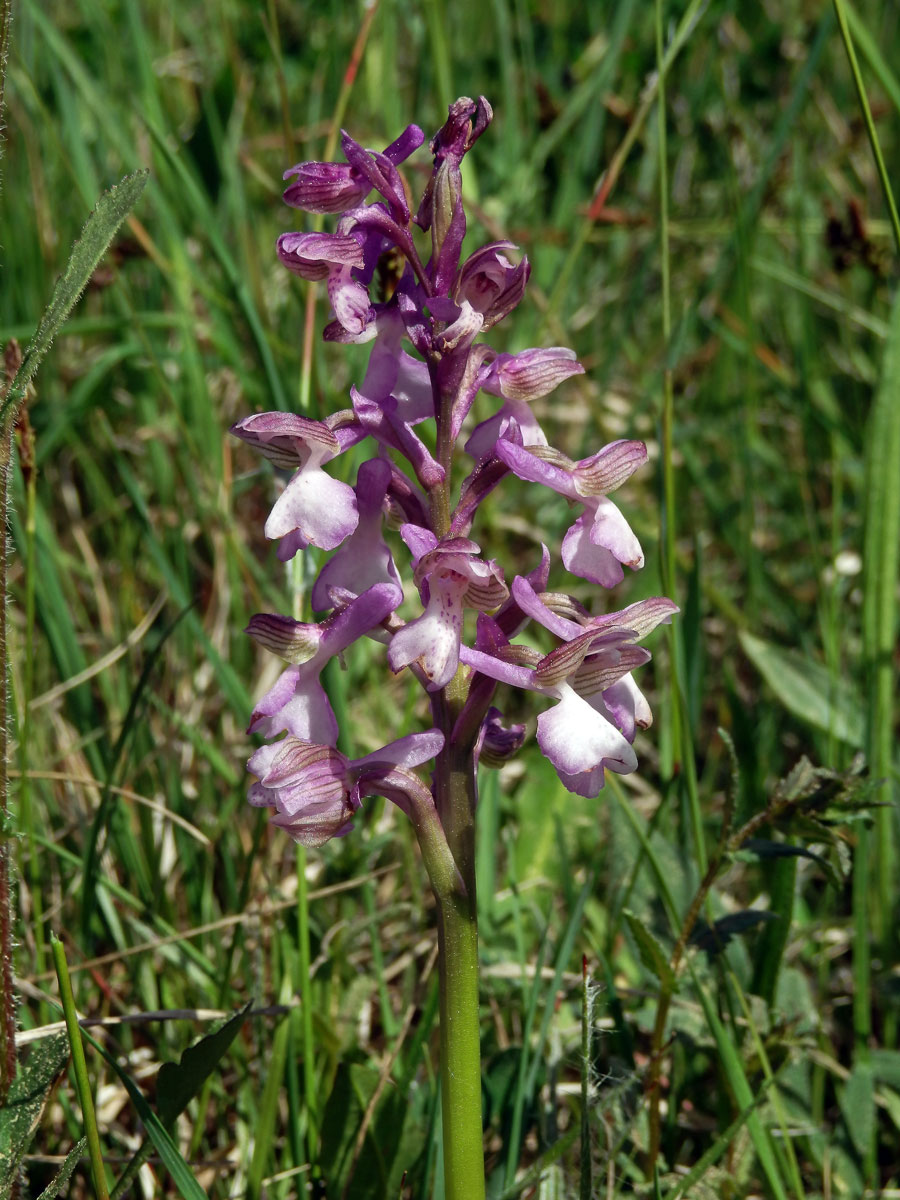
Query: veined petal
[[608, 468], [294, 641], [286, 439], [314, 255], [531, 373], [315, 824], [602, 671], [643, 617], [320, 187], [580, 743]]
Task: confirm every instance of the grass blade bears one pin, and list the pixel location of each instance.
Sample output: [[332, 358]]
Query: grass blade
[[98, 232]]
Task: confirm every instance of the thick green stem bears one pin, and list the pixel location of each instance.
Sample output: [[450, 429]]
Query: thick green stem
[[454, 790]]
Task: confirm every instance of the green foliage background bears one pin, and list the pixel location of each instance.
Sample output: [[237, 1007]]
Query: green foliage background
[[139, 554]]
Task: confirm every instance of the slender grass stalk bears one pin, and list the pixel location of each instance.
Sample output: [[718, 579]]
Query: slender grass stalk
[[7, 995], [26, 811], [587, 1022], [12, 362], [872, 132], [79, 1063]]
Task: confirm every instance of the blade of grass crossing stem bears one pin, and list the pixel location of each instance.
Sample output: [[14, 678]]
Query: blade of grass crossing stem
[[207, 218], [656, 867], [5, 15], [881, 558], [733, 1068], [883, 177], [79, 1064], [608, 179]]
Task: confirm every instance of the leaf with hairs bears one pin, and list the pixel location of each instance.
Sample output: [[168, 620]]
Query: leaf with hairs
[[99, 230], [28, 1095]]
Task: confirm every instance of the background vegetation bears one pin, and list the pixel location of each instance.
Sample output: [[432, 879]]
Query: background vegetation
[[742, 266]]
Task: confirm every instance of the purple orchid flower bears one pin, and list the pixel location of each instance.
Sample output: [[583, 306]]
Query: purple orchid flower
[[519, 379], [450, 578], [321, 509], [491, 283], [315, 790], [298, 703], [428, 364], [335, 187], [365, 558], [601, 540]]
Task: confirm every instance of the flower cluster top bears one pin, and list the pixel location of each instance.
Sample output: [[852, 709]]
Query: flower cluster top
[[427, 364]]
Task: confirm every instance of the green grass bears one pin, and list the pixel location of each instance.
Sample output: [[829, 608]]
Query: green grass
[[728, 311]]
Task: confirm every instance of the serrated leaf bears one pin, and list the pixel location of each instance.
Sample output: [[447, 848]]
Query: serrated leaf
[[807, 689], [652, 954], [178, 1083], [99, 230], [713, 939], [857, 1101], [30, 1090], [65, 1171]]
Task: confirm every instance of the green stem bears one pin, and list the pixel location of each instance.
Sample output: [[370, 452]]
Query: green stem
[[82, 1080], [455, 796]]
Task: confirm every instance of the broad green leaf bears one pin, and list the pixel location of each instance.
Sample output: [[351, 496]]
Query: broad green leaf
[[178, 1083], [99, 230], [20, 1115], [652, 954], [857, 1100], [65, 1171], [807, 689]]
